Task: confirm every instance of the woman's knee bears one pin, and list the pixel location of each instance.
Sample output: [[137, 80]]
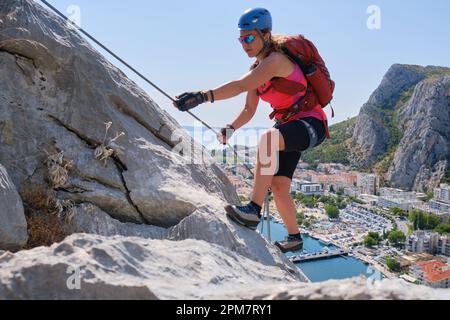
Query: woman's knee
[[281, 186]]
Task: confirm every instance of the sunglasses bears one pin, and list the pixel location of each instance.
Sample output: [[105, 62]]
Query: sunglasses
[[247, 39]]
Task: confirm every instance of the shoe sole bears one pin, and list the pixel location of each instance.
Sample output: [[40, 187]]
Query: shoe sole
[[294, 249], [235, 217]]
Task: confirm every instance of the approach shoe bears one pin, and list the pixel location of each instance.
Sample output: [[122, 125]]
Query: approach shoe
[[247, 216], [291, 244]]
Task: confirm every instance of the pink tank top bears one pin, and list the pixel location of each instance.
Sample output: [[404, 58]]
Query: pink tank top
[[279, 100]]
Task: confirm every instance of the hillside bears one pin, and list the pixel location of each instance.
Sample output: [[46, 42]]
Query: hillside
[[401, 132], [337, 149]]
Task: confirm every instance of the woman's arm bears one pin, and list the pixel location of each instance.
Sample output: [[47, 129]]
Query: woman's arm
[[246, 115], [249, 111], [268, 69]]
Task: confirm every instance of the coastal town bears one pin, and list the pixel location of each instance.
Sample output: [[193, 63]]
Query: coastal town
[[400, 233]]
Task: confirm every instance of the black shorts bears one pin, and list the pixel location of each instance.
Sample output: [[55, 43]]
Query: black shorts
[[297, 140]]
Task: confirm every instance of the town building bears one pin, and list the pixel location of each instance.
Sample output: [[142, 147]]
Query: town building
[[390, 197], [432, 273], [441, 200], [442, 193], [306, 187], [351, 191], [368, 183], [369, 199], [429, 242]]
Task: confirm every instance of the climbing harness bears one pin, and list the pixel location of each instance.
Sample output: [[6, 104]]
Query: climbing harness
[[266, 203]]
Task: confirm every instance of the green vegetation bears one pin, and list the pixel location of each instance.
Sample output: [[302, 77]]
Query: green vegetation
[[332, 211], [423, 221], [398, 212], [356, 200], [300, 218], [436, 72], [393, 264], [336, 149], [396, 238], [443, 228], [307, 201], [313, 201], [372, 239]]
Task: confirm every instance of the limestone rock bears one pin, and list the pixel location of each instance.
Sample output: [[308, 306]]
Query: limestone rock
[[55, 88], [89, 219], [351, 289], [370, 135], [423, 156], [13, 225], [130, 268]]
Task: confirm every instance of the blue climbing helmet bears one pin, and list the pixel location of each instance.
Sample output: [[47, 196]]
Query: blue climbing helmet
[[258, 18]]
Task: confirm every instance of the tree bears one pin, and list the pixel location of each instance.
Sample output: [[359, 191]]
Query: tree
[[306, 223], [443, 228], [393, 264], [398, 212], [369, 242], [375, 236], [397, 238], [332, 211], [300, 218], [423, 221]]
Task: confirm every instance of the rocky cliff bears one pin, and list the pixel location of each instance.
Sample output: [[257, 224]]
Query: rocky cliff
[[423, 156], [402, 131], [96, 267]]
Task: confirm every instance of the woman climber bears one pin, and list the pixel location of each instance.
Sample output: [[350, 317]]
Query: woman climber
[[301, 125]]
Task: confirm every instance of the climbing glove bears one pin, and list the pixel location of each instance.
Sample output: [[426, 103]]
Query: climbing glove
[[225, 134], [190, 100]]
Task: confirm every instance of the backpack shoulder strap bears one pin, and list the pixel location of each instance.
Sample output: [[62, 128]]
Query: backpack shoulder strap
[[295, 59]]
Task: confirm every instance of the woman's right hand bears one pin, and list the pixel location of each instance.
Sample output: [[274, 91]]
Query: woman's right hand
[[190, 100]]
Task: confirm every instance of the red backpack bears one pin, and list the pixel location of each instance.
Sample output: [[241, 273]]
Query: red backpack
[[306, 55]]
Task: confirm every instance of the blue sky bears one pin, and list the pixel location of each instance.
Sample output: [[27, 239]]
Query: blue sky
[[192, 45]]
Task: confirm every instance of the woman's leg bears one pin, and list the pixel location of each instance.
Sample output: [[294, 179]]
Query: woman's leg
[[272, 142], [281, 187]]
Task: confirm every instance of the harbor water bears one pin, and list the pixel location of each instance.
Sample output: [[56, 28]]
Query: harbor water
[[321, 270]]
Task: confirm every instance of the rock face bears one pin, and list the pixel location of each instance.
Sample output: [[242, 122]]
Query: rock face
[[52, 129], [61, 105], [351, 289], [13, 226], [407, 116], [87, 218], [370, 134], [96, 267], [424, 152]]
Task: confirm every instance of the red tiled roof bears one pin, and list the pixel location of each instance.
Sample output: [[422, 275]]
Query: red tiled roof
[[434, 270]]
